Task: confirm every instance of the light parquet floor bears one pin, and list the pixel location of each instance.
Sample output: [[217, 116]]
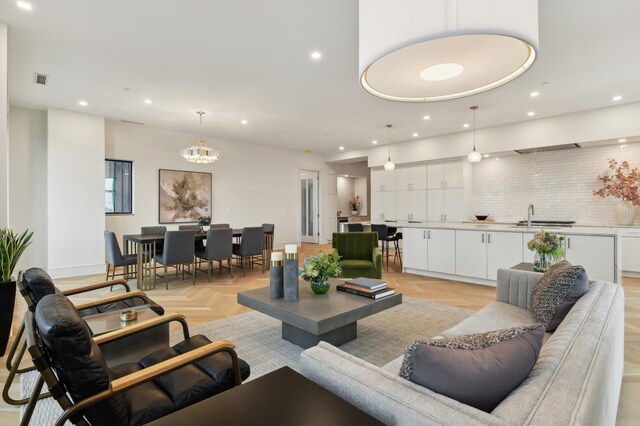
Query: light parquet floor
[[209, 301]]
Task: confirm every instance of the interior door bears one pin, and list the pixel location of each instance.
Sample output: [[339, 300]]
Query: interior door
[[309, 212]]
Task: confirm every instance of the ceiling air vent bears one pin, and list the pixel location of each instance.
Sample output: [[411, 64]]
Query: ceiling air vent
[[548, 148], [132, 122], [41, 79]]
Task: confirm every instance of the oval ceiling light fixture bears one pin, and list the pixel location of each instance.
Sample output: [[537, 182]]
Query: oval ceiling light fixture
[[436, 50]]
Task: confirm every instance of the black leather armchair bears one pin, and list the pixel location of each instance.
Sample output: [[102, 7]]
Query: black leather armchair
[[35, 284], [71, 363]]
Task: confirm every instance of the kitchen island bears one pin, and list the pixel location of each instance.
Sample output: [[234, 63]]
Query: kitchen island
[[473, 252]]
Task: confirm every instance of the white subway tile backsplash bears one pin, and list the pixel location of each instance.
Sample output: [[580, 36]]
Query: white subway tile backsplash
[[559, 184]]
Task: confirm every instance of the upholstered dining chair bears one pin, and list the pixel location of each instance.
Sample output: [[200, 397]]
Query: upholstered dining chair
[[355, 227], [71, 363], [250, 246], [219, 226], [115, 257], [147, 230], [199, 244], [219, 247], [359, 254], [178, 250]]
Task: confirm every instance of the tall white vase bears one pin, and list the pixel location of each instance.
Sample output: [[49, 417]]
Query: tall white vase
[[625, 212]]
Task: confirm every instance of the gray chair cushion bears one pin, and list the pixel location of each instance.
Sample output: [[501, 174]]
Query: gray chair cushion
[[556, 292], [219, 225], [219, 245], [251, 243], [479, 370], [178, 248]]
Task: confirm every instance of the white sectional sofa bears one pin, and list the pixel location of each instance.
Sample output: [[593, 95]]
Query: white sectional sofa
[[576, 380]]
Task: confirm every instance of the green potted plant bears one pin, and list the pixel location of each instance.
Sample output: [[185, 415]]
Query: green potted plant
[[12, 246], [548, 250], [354, 205], [318, 269]]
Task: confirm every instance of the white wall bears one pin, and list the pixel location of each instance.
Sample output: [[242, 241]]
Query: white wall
[[75, 179], [559, 184], [4, 132], [360, 185], [345, 192], [252, 184], [28, 181]]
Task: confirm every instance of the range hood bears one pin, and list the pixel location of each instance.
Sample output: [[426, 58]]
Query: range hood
[[548, 148]]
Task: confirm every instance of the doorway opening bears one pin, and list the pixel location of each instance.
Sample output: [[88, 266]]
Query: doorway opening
[[309, 206]]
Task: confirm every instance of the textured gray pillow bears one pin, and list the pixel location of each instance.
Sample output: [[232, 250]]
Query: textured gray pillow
[[479, 370], [556, 292]]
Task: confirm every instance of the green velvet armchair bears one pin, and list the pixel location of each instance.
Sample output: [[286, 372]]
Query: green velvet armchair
[[359, 254]]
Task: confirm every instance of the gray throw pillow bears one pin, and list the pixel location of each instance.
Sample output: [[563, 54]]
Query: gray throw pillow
[[556, 292], [479, 370]]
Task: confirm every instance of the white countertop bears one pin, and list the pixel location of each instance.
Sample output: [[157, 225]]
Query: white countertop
[[506, 227]]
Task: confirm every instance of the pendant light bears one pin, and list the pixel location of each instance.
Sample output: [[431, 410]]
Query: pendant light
[[200, 153], [474, 156], [389, 164]]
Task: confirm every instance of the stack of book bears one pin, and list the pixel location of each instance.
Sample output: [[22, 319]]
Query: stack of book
[[366, 287]]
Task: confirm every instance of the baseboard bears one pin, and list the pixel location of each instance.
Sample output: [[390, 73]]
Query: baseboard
[[450, 277], [631, 274], [74, 271]]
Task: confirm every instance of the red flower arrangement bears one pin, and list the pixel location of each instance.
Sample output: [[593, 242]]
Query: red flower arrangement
[[621, 183]]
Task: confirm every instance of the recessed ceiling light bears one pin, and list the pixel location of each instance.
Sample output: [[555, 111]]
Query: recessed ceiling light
[[243, 121], [346, 175], [534, 94], [623, 140], [24, 5], [486, 155], [497, 159], [83, 103], [617, 98], [426, 117], [374, 142], [465, 125], [316, 55], [531, 113], [148, 101], [623, 146], [415, 135], [441, 72], [341, 148]]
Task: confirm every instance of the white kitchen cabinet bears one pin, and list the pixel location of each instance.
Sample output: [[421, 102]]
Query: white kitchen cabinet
[[441, 251], [411, 205], [444, 205], [444, 175], [471, 254], [630, 254], [412, 178], [527, 255], [504, 250], [383, 180], [383, 206], [594, 253], [414, 248]]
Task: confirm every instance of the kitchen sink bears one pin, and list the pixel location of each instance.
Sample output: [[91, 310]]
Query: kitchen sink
[[547, 223]]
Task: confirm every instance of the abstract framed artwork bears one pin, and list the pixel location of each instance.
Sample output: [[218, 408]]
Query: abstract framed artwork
[[184, 196]]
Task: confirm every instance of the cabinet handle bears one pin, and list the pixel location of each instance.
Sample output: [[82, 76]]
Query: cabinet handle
[[568, 243], [445, 217], [424, 235], [482, 238], [489, 238], [429, 235]]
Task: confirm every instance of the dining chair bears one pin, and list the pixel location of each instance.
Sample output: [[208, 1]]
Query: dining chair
[[355, 227], [251, 245], [199, 243], [219, 247], [179, 249], [268, 229], [146, 230], [219, 226], [115, 257]]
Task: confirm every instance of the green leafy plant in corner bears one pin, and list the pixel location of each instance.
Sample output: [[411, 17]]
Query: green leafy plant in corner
[[12, 246]]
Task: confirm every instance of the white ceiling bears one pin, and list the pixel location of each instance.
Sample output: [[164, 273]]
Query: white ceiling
[[249, 59]]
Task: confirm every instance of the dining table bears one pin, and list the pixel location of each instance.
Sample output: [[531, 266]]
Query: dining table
[[144, 246]]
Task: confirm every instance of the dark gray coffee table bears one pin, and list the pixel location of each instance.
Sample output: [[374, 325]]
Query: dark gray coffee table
[[331, 317]]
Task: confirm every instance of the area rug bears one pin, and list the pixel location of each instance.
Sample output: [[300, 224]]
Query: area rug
[[381, 338]]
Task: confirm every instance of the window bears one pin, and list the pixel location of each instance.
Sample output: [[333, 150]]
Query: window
[[118, 187]]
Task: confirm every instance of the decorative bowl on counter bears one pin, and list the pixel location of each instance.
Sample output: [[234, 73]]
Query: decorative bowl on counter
[[481, 216]]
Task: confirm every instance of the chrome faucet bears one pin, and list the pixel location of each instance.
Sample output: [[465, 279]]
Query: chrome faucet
[[530, 212]]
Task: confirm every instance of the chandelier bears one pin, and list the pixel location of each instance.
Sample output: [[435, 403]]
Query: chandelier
[[389, 165], [200, 153], [474, 156]]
